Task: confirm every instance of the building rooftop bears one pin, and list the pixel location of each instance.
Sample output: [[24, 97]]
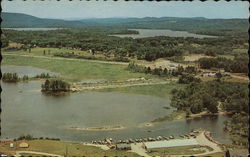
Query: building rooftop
[[171, 143]]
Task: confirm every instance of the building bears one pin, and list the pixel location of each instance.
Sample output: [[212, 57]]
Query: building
[[171, 143], [23, 145], [11, 145], [123, 147]]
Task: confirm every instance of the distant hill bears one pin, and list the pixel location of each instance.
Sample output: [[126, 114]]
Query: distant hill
[[18, 20]]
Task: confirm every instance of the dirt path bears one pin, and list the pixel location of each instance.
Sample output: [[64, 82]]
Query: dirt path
[[137, 148], [204, 141], [18, 153], [81, 87]]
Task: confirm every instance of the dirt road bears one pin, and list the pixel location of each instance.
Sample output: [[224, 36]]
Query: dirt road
[[18, 153]]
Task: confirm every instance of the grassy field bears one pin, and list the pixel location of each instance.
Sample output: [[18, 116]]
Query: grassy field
[[178, 151], [38, 51], [222, 154], [163, 90], [73, 149], [75, 70]]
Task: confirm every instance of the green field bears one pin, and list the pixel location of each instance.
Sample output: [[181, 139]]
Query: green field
[[75, 70], [188, 150], [38, 51], [73, 149], [162, 90]]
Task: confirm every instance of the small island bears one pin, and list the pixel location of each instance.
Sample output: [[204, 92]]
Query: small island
[[55, 87]]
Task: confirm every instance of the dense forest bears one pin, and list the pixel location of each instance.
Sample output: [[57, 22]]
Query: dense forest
[[238, 65], [217, 96], [99, 41]]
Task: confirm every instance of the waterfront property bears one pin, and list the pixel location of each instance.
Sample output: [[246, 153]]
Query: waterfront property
[[171, 143]]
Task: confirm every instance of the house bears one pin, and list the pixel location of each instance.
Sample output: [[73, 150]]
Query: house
[[123, 147], [171, 143], [23, 145], [11, 145]]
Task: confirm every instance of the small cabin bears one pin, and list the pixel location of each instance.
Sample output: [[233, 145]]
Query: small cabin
[[23, 145], [11, 145]]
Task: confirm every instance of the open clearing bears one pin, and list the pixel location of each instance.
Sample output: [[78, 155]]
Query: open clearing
[[75, 70], [195, 57], [59, 148]]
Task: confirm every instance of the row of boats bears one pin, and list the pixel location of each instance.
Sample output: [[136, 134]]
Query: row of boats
[[109, 141]]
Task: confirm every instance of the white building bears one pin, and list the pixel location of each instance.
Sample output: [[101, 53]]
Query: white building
[[170, 143]]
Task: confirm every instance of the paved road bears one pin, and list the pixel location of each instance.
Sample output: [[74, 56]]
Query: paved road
[[204, 141], [38, 153]]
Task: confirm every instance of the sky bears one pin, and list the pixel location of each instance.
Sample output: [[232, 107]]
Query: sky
[[65, 9]]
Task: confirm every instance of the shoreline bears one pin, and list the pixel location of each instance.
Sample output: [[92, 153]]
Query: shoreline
[[104, 128], [181, 115]]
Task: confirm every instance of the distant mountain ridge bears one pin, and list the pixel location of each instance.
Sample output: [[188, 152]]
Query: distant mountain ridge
[[19, 20]]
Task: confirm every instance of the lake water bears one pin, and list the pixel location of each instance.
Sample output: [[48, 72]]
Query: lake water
[[26, 110], [144, 33], [25, 70]]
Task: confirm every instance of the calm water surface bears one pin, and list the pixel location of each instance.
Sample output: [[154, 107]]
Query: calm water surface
[[26, 110], [144, 33], [25, 70]]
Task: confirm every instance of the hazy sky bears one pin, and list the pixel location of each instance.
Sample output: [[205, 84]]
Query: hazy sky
[[103, 9]]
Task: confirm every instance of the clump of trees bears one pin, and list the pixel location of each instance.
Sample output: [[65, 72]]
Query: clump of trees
[[187, 78], [30, 137], [25, 78], [55, 86], [43, 75], [10, 77], [238, 65], [161, 71]]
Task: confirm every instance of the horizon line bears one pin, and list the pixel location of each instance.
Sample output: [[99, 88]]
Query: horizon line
[[121, 17]]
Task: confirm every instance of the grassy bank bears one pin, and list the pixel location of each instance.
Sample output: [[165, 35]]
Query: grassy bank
[[162, 90], [178, 151], [75, 70], [176, 115], [73, 149]]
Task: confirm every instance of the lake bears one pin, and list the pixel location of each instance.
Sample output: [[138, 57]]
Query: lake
[[145, 33], [25, 110], [26, 70]]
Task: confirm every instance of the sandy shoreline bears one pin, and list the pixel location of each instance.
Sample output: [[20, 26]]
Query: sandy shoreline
[[104, 128]]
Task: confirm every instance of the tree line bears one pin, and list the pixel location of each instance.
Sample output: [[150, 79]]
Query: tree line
[[13, 77], [237, 65], [164, 72]]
